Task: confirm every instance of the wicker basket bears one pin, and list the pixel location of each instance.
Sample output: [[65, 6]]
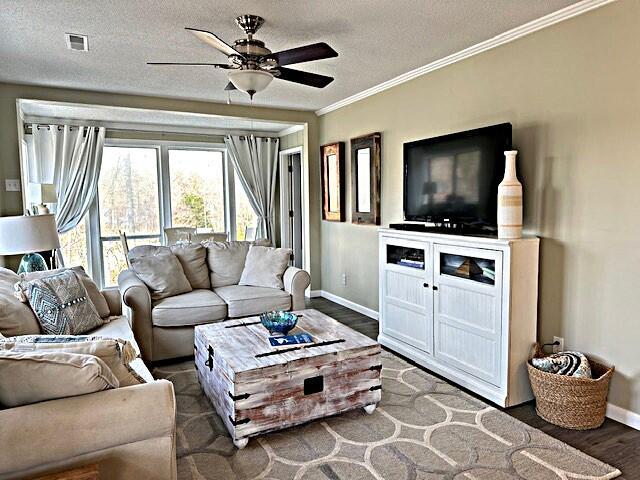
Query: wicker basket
[[571, 402]]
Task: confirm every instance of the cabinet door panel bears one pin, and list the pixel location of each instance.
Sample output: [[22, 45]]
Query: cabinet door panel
[[467, 311], [407, 306]]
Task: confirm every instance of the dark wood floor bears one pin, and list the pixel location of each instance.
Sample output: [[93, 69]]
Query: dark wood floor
[[613, 443]]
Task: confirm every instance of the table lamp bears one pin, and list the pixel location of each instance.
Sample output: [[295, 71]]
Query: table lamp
[[28, 234]]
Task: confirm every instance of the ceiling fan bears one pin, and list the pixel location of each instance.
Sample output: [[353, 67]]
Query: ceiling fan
[[252, 66]]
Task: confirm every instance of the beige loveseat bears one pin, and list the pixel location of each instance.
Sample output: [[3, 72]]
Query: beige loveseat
[[129, 431], [164, 328]]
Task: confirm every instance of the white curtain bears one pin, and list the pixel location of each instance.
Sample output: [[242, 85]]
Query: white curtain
[[77, 153], [256, 161], [41, 157]]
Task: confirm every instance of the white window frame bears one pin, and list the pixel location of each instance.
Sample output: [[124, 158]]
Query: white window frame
[[94, 235]]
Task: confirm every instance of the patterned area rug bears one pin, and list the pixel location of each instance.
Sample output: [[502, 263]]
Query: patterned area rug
[[424, 429]]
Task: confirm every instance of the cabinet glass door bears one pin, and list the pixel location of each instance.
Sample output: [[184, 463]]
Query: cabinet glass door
[[406, 299], [467, 309]]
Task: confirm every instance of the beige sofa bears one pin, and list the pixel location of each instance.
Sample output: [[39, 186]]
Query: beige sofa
[[164, 328], [129, 432]]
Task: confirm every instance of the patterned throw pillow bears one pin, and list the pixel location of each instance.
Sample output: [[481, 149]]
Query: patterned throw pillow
[[61, 304], [573, 364]]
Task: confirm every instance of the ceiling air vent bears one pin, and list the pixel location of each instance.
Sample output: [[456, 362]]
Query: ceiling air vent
[[78, 42]]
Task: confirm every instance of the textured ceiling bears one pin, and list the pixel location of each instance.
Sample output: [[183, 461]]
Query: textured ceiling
[[376, 39]]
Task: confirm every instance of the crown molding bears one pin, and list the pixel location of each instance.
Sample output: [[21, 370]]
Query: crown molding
[[506, 37], [290, 130]]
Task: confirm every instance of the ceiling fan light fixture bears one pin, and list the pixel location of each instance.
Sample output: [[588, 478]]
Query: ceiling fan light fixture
[[250, 81]]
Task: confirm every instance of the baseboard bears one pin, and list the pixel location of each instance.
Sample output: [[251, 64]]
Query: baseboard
[[315, 293], [346, 303], [623, 415]]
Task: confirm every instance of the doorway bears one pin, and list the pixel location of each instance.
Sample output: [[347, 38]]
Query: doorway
[[291, 206]]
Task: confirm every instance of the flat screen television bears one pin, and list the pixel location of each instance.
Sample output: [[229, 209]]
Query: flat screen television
[[454, 179]]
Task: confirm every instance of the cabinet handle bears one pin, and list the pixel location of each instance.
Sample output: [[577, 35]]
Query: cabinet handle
[[435, 288], [425, 285]]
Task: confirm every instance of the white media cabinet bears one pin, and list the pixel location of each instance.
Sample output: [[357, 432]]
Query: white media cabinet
[[468, 313]]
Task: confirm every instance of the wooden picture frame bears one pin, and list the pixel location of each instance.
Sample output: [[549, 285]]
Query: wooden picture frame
[[332, 161], [365, 179]]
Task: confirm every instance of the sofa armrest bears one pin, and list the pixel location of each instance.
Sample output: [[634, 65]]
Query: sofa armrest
[[54, 431], [296, 282], [114, 300], [137, 299]]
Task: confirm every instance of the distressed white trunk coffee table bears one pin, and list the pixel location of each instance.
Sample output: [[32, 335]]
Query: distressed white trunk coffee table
[[257, 388]]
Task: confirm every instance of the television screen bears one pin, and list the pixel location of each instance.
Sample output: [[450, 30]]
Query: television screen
[[454, 178]]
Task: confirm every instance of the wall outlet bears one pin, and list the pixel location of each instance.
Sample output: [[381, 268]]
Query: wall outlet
[[12, 185], [560, 347], [344, 278]]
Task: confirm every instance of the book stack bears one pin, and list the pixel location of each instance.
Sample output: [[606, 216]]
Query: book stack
[[407, 262]]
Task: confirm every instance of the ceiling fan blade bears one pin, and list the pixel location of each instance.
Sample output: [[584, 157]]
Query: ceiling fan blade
[[230, 86], [305, 78], [308, 53], [215, 41], [216, 65]]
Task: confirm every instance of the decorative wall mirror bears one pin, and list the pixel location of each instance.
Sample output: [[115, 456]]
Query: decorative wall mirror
[[333, 181], [365, 179]]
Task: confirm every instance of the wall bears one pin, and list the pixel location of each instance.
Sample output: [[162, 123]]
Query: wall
[[571, 92], [11, 202]]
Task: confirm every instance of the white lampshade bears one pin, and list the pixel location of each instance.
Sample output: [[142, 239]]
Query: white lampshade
[[28, 234], [250, 81]]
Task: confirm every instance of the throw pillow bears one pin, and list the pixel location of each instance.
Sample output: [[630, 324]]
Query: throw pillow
[[116, 353], [96, 297], [61, 304], [573, 364], [265, 266], [226, 260], [193, 258], [162, 273], [30, 377], [16, 318]]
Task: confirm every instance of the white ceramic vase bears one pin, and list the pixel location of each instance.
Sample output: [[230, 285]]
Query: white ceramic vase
[[510, 200]]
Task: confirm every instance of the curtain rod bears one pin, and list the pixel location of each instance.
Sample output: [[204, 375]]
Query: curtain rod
[[28, 127], [27, 130]]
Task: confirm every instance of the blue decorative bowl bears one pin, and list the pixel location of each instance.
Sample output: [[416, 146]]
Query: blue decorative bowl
[[279, 322]]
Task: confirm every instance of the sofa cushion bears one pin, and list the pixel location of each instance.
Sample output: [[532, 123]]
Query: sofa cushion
[[96, 297], [117, 327], [30, 377], [193, 258], [243, 301], [265, 266], [162, 274], [16, 317], [117, 354], [193, 308], [226, 260], [61, 303]]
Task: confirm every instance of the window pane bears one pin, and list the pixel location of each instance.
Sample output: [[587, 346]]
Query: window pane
[[197, 189], [128, 192], [128, 202], [246, 218], [73, 245], [114, 258]]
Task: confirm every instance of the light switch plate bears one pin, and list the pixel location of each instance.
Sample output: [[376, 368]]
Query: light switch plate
[[12, 185]]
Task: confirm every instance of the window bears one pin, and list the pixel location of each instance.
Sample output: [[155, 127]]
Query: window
[[197, 189], [246, 218], [73, 245], [145, 187], [128, 201]]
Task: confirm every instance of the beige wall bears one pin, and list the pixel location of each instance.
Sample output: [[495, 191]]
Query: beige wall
[[11, 202], [295, 139], [572, 93]]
